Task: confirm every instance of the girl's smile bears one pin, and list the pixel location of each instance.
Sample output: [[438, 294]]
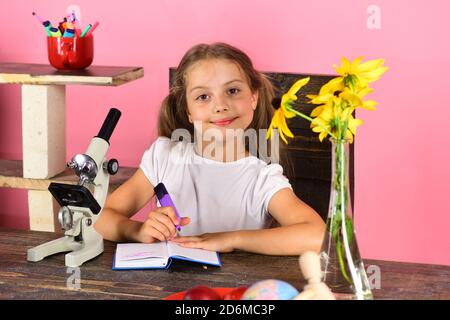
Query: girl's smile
[[224, 122]]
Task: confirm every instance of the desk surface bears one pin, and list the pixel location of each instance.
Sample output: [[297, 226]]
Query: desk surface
[[47, 279]]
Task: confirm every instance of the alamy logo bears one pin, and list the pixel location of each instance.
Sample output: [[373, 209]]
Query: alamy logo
[[230, 143], [374, 19], [74, 280], [374, 276]]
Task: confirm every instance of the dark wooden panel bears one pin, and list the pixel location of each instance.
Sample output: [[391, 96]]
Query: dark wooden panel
[[308, 161]]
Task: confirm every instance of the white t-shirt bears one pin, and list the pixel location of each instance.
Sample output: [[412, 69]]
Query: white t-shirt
[[216, 196]]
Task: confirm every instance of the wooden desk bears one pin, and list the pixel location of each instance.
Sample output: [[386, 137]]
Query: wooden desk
[[44, 127], [47, 279]]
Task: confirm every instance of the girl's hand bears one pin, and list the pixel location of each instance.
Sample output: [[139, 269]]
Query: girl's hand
[[160, 225], [220, 241]]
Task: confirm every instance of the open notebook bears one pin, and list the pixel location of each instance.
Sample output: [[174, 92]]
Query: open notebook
[[159, 255]]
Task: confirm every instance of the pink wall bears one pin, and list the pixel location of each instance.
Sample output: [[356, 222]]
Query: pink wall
[[402, 152]]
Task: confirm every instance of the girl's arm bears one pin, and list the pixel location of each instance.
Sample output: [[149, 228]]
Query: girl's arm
[[301, 230], [114, 223]]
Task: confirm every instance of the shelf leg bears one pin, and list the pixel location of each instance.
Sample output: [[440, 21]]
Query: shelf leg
[[43, 209], [43, 130], [44, 147]]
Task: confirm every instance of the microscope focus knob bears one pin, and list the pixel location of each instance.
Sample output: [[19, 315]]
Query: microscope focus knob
[[112, 166]]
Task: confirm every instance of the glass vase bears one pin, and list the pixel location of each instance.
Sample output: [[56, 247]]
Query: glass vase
[[342, 267]]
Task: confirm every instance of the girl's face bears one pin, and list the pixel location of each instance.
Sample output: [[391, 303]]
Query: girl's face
[[218, 96]]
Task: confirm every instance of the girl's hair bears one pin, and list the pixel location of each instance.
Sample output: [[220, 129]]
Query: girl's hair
[[174, 111]]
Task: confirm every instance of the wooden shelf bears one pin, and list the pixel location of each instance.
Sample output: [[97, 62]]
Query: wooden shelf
[[20, 73], [44, 131], [11, 176]]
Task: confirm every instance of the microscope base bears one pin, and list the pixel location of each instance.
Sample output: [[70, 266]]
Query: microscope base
[[85, 253], [82, 251], [63, 244]]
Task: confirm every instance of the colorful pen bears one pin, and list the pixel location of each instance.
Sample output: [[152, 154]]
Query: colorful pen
[[38, 18], [86, 30], [47, 26], [93, 28], [69, 33], [55, 32], [165, 200]]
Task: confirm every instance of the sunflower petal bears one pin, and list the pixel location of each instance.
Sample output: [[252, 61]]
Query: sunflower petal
[[317, 111], [370, 65], [335, 84], [344, 69], [373, 75], [355, 63], [349, 136], [285, 129], [282, 136], [369, 105], [297, 86], [322, 135]]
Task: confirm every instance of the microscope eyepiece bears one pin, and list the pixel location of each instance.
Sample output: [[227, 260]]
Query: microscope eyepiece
[[109, 124]]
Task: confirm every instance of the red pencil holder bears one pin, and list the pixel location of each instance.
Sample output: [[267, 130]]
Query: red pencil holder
[[70, 53]]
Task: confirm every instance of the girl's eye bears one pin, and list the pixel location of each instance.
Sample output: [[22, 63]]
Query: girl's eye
[[202, 97], [234, 91]]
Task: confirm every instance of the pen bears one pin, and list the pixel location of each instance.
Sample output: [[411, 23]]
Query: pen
[[86, 30], [38, 18], [93, 28], [61, 27], [69, 33], [55, 32], [47, 26], [165, 200]]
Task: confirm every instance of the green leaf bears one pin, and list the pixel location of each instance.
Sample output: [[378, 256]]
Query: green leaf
[[336, 226], [340, 253], [349, 228]]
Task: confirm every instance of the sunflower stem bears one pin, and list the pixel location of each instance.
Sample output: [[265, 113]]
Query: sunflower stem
[[304, 116]]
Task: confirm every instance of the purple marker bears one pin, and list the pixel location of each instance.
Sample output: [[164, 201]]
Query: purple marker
[[165, 200]]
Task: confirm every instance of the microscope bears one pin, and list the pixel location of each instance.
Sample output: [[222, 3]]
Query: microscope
[[79, 207]]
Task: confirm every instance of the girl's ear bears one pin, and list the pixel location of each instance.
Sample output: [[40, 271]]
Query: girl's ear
[[255, 97]]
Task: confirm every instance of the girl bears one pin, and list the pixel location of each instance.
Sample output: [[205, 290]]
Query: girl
[[227, 196]]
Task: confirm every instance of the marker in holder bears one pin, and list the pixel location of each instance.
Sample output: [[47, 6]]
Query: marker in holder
[[55, 32], [69, 33]]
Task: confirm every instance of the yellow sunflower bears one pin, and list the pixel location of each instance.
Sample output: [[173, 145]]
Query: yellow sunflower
[[336, 100], [358, 75], [284, 111], [279, 121], [336, 117], [356, 101]]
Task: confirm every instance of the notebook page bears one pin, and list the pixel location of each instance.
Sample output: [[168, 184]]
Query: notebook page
[[201, 255], [134, 255]]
